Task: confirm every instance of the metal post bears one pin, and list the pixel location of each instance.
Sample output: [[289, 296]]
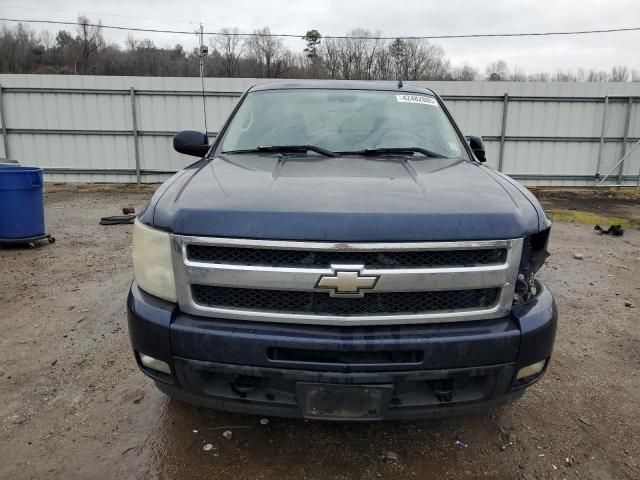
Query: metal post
[[505, 107], [626, 136], [3, 120], [134, 123], [602, 133]]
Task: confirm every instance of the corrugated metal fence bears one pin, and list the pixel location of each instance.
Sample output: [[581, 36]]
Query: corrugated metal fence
[[119, 129]]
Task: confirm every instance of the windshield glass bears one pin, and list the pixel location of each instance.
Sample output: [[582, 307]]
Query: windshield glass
[[342, 121]]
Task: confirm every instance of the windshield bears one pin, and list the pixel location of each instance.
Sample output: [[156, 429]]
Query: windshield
[[342, 121]]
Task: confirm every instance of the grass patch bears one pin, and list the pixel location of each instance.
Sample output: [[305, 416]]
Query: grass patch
[[587, 218]]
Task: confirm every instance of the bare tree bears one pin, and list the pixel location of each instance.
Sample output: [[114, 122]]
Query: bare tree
[[20, 50], [464, 72], [538, 77], [497, 71], [597, 76], [619, 73], [360, 55], [517, 75], [383, 67], [46, 38], [131, 43], [564, 76], [330, 52], [268, 53], [357, 55], [435, 65], [231, 47], [418, 60], [90, 37], [371, 49]]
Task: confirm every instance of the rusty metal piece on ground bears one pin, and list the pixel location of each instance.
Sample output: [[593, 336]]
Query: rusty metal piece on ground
[[117, 219], [615, 230]]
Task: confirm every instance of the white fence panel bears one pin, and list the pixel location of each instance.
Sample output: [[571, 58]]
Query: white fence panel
[[80, 128]]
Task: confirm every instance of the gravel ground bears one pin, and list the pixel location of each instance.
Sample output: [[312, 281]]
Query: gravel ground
[[73, 404]]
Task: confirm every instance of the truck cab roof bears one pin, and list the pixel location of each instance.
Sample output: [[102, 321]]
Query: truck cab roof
[[341, 85]]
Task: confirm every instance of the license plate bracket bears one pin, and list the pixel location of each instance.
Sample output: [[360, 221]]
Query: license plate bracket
[[343, 402]]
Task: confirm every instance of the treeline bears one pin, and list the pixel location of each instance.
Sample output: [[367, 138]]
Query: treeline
[[360, 56]]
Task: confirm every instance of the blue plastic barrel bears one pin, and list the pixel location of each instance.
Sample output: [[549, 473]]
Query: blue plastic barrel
[[21, 202]]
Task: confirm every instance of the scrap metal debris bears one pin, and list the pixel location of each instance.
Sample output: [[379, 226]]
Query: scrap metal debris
[[586, 421], [390, 456], [117, 219], [227, 427], [615, 230]]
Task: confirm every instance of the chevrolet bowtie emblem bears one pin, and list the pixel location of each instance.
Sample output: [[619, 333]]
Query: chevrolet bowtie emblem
[[347, 281]]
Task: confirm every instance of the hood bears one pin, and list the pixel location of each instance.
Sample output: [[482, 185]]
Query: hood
[[344, 199]]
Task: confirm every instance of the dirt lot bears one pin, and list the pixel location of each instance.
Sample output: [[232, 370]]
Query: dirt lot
[[73, 405]]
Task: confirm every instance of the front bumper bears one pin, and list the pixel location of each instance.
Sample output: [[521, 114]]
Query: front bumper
[[421, 370]]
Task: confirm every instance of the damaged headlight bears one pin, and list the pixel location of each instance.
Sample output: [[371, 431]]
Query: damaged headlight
[[152, 264], [534, 254]]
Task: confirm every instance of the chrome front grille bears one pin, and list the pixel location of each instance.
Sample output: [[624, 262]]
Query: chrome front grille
[[345, 284]]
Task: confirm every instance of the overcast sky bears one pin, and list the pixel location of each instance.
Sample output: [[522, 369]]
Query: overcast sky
[[390, 17]]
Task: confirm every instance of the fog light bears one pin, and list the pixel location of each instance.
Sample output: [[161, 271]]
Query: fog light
[[155, 364], [531, 370]]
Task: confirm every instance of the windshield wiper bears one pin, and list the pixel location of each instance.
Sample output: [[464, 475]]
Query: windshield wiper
[[398, 150], [285, 149]]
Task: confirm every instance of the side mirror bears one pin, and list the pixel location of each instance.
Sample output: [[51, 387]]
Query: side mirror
[[478, 148], [191, 142]]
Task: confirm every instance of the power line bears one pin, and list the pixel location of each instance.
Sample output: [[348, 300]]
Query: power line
[[111, 27], [352, 37], [153, 19]]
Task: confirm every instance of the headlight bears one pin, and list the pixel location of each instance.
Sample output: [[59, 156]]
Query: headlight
[[534, 254], [152, 265]]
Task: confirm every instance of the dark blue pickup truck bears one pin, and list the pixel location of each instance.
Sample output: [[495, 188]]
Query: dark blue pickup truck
[[341, 252]]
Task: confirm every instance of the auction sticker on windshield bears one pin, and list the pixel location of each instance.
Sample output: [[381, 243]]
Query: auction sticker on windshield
[[417, 99]]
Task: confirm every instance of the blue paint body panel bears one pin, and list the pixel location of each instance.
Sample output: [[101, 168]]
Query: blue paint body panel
[[343, 199], [192, 345]]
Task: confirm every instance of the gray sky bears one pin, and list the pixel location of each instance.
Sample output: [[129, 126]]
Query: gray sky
[[397, 17]]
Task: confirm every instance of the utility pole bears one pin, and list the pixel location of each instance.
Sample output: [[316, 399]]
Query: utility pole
[[203, 51]]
